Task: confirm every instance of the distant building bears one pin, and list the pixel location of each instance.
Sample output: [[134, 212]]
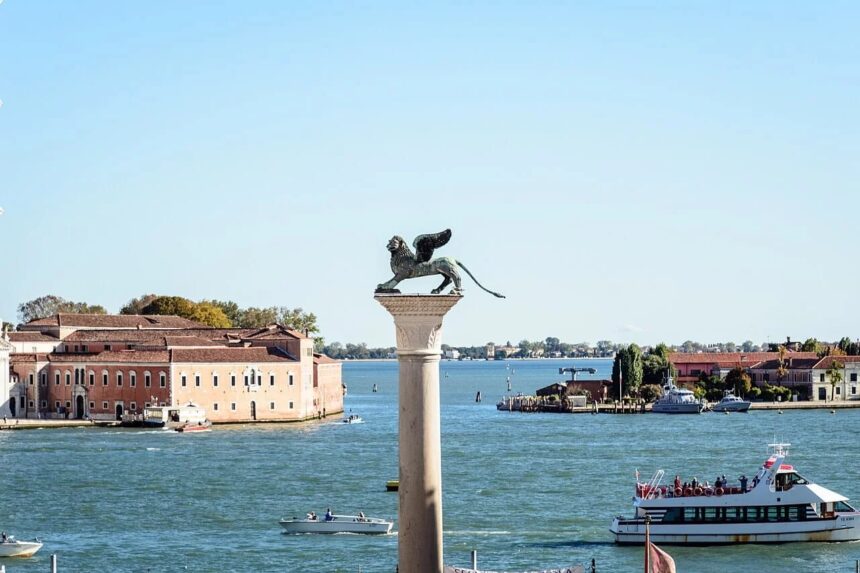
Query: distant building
[[452, 354], [690, 365], [5, 381], [105, 366], [490, 351]]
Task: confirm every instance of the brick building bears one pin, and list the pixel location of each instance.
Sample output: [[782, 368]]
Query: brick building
[[105, 366]]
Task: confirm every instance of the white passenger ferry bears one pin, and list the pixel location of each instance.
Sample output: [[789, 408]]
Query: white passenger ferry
[[777, 506]]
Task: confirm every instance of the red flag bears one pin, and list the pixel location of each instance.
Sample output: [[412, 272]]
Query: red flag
[[661, 562]]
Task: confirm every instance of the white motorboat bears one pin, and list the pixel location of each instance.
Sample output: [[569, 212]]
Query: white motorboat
[[337, 524], [780, 506], [731, 403], [174, 417], [11, 547], [353, 419], [677, 401]]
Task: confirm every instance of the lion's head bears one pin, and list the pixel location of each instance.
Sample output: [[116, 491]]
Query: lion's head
[[396, 243]]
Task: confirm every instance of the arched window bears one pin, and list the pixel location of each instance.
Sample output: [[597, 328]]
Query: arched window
[[92, 376], [68, 378], [147, 379], [132, 379], [162, 380], [104, 379], [119, 379]]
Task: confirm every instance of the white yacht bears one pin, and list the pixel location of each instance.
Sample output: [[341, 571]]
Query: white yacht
[[174, 417], [11, 547], [337, 524], [778, 505], [731, 403], [677, 400]]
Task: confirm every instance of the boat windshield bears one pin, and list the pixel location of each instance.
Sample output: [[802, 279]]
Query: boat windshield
[[842, 506]]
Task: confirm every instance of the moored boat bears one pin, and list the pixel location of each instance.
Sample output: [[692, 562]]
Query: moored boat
[[353, 419], [337, 524], [731, 403], [189, 427], [11, 547], [677, 401], [780, 506], [173, 417]]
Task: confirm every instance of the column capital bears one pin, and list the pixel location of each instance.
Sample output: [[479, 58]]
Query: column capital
[[418, 319]]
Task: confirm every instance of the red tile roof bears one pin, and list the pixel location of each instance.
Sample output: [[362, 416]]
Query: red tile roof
[[828, 361], [187, 341], [32, 337], [791, 363], [114, 321], [225, 354], [323, 359], [126, 356], [729, 359]]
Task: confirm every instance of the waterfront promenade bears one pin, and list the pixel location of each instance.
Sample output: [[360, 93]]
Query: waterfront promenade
[[28, 424]]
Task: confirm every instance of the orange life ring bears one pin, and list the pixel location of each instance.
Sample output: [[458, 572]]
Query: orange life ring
[[688, 491], [678, 492], [718, 491], [697, 491]]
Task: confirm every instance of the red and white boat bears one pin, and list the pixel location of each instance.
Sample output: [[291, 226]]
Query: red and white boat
[[777, 506], [204, 426]]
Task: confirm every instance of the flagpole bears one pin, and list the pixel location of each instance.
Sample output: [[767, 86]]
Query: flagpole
[[647, 544]]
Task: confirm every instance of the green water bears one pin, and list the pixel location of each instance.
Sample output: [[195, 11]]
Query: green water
[[526, 491]]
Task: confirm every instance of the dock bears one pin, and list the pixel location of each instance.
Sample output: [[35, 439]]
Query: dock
[[32, 424]]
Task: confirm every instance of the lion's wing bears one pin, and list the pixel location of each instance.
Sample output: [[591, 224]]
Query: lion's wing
[[426, 244]]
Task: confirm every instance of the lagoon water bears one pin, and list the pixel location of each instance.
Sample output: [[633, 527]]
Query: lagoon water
[[527, 491]]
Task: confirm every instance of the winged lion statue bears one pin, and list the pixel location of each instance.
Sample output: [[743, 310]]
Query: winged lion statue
[[408, 265]]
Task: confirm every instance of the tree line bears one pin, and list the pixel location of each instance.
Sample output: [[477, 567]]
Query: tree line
[[214, 313]]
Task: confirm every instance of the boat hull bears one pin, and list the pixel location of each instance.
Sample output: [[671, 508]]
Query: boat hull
[[732, 407], [19, 548], [369, 526], [845, 527], [692, 408]]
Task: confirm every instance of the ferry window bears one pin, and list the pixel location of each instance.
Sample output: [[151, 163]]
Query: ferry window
[[842, 506], [673, 515], [794, 512], [709, 513], [214, 380]]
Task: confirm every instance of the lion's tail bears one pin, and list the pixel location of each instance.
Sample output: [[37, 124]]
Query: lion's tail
[[477, 283]]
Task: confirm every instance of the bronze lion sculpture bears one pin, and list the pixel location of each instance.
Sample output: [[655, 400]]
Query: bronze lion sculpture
[[408, 265]]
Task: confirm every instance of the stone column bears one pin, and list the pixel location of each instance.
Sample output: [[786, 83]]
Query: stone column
[[418, 321]]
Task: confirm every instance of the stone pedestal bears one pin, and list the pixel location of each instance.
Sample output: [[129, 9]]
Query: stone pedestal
[[418, 320]]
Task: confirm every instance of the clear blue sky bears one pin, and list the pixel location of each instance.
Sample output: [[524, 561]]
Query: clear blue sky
[[627, 171]]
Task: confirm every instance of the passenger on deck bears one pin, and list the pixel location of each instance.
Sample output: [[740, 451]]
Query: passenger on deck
[[695, 483], [312, 516], [718, 483], [743, 480], [677, 482], [361, 516], [328, 515]]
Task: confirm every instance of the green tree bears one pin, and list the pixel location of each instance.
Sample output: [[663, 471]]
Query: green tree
[[739, 381], [50, 304], [835, 375], [811, 345], [781, 369], [747, 346], [136, 305], [297, 319], [170, 305], [254, 317], [210, 315], [230, 309]]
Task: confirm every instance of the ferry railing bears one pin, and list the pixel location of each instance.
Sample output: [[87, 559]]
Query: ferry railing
[[652, 485]]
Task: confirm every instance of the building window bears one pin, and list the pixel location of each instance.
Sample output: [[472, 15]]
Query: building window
[[821, 377], [68, 404], [291, 378], [838, 390], [271, 379], [215, 406], [57, 404], [291, 405], [104, 378], [232, 379], [32, 379], [132, 406], [259, 379], [854, 390], [197, 379], [92, 405], [56, 378], [92, 378], [147, 379], [854, 377], [44, 404], [183, 380], [119, 379], [104, 405], [246, 379], [271, 405], [162, 380], [43, 379], [68, 379], [84, 348], [107, 347], [30, 404], [215, 380], [146, 405], [132, 379], [233, 406]]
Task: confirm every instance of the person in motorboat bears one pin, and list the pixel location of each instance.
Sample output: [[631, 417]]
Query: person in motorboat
[[312, 516], [361, 516], [3, 536], [328, 515]]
